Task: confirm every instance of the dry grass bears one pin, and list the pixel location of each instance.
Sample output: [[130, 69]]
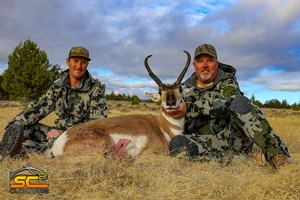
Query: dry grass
[[161, 177]]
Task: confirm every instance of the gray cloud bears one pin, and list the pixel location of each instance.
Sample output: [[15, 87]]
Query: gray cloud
[[256, 37], [279, 81]]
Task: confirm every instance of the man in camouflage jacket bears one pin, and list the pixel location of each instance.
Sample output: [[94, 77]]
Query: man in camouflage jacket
[[75, 97], [219, 119]]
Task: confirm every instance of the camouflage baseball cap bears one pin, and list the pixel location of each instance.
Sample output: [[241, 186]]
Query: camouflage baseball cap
[[79, 51], [206, 49]]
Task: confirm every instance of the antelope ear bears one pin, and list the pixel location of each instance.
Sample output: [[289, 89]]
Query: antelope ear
[[153, 96], [187, 91]]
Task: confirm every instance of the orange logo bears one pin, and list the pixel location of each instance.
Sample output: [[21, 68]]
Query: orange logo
[[28, 180]]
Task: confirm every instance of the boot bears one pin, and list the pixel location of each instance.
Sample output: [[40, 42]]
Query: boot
[[11, 144]]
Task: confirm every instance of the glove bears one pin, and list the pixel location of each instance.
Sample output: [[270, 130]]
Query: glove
[[181, 143]]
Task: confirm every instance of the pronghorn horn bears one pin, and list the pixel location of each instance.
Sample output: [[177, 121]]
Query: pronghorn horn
[[180, 77], [151, 74]]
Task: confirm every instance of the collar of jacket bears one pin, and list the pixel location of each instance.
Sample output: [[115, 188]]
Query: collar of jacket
[[224, 70], [86, 84]]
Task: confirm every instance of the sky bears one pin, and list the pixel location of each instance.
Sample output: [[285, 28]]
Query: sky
[[261, 39]]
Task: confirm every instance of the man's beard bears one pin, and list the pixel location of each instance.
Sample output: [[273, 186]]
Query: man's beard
[[205, 77]]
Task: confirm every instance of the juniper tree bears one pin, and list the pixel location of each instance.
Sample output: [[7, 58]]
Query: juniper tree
[[29, 73]]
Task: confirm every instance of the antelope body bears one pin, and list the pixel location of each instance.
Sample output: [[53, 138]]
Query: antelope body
[[130, 134]]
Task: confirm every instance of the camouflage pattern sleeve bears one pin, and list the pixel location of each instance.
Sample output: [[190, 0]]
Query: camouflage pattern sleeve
[[212, 102], [36, 110], [98, 107]]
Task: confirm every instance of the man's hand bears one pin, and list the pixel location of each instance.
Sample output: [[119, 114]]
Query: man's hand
[[54, 133], [179, 112]]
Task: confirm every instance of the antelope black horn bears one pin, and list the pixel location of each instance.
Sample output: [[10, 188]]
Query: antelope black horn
[[180, 77], [151, 74]]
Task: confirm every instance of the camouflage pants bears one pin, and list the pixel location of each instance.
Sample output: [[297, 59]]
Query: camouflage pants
[[35, 138]]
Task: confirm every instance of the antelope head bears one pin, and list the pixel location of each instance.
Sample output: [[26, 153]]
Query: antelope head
[[169, 94]]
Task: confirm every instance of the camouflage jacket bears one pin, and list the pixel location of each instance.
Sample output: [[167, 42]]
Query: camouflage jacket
[[208, 112], [210, 106], [71, 105]]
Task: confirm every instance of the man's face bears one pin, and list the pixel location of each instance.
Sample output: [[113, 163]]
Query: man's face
[[77, 66], [206, 68]]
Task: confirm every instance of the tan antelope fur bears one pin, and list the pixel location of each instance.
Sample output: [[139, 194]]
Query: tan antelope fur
[[128, 134]]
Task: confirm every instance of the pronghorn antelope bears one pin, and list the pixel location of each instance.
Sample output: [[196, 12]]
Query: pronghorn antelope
[[130, 134]]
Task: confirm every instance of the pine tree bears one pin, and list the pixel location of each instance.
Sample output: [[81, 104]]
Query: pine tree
[[29, 73], [255, 102], [135, 100]]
